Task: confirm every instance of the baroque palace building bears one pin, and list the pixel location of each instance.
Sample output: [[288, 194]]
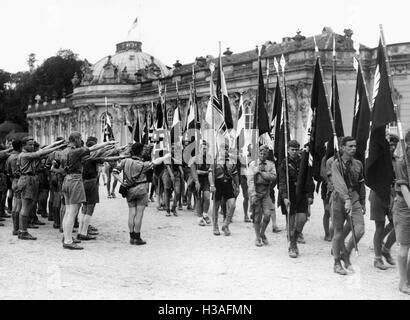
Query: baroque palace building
[[129, 79]]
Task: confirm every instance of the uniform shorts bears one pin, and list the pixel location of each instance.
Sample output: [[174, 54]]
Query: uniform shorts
[[263, 206], [378, 208], [91, 191], [28, 186], [204, 183], [16, 191], [224, 189], [338, 212], [73, 189], [141, 201], [401, 220]]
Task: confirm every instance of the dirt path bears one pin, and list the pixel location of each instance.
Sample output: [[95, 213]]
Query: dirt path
[[185, 261]]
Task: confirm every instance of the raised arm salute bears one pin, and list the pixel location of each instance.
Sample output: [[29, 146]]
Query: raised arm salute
[[26, 166], [135, 187]]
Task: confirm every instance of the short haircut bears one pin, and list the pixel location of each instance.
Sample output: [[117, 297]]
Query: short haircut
[[16, 144], [91, 141], [293, 144], [393, 138], [136, 149], [264, 147], [74, 136], [346, 139], [26, 139]]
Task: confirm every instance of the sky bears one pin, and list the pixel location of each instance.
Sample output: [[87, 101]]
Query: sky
[[182, 30]]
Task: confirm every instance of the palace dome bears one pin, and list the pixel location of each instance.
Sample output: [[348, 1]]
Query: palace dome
[[128, 65]]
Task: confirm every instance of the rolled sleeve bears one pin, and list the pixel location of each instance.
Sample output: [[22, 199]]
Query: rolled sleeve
[[119, 167]]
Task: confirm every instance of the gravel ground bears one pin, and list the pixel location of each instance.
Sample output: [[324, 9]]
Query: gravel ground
[[184, 261]]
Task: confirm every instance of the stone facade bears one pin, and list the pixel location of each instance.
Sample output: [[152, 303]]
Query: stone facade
[[132, 93]]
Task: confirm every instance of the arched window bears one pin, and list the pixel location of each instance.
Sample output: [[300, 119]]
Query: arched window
[[104, 122], [248, 117], [170, 117]]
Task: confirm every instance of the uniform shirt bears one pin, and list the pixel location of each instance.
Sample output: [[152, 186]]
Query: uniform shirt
[[42, 173], [201, 162], [27, 162], [226, 171], [74, 163], [256, 183], [11, 164], [3, 159], [90, 168], [402, 177], [293, 171], [134, 170], [354, 170]]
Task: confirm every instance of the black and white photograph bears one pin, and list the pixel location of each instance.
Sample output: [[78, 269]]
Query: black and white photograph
[[232, 151]]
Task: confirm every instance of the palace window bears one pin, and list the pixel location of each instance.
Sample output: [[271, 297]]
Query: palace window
[[248, 116], [170, 117]]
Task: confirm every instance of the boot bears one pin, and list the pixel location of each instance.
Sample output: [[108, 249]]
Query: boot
[[378, 263], [227, 222], [386, 254], [15, 217], [346, 260], [26, 236], [225, 229], [293, 250], [338, 268]]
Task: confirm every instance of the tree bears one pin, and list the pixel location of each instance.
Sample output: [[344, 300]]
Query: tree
[[31, 61], [51, 78]]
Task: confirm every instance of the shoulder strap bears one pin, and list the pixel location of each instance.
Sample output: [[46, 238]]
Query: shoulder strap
[[126, 177]]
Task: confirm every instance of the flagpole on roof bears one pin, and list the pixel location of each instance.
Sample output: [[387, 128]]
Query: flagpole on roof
[[396, 111]]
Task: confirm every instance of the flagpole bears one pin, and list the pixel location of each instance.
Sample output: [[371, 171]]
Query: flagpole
[[267, 86], [336, 142], [179, 115], [222, 94], [396, 111], [285, 129], [334, 79], [212, 69], [193, 91]]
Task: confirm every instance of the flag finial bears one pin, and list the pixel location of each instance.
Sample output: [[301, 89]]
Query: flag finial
[[316, 48], [282, 62]]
